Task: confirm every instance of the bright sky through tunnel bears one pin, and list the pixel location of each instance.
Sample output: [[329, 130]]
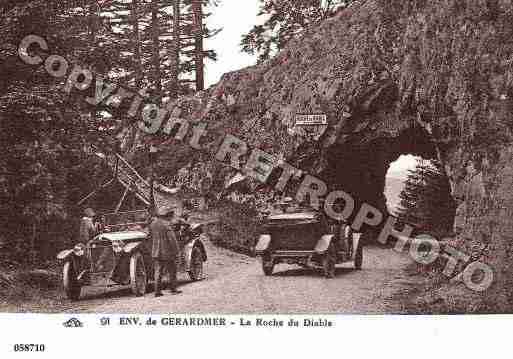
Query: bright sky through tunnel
[[395, 178]]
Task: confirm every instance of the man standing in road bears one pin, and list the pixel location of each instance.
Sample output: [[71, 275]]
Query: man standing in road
[[164, 250]]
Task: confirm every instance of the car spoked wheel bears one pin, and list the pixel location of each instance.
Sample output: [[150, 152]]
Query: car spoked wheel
[[328, 263], [138, 278], [267, 265], [196, 272], [69, 278]]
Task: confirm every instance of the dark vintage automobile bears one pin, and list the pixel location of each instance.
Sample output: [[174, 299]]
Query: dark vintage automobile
[[121, 255], [304, 237]]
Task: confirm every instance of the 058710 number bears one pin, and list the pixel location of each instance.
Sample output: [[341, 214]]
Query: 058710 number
[[29, 347]]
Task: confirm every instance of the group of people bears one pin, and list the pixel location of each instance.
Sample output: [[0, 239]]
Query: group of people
[[163, 228]]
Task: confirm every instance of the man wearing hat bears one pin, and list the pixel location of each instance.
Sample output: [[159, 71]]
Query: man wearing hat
[[164, 249], [87, 227]]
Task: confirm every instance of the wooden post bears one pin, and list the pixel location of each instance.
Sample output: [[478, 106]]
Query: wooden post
[[153, 159], [198, 34]]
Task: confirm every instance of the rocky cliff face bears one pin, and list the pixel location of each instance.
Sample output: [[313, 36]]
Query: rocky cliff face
[[431, 78]]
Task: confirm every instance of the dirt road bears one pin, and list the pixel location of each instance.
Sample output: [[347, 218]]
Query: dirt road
[[235, 284]]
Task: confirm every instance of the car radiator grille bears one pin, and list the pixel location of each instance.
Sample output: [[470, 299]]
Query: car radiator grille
[[296, 238], [102, 258]]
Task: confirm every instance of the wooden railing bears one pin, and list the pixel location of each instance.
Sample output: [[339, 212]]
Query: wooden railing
[[130, 178], [133, 182]]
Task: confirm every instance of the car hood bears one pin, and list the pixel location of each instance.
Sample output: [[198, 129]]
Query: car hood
[[122, 236]]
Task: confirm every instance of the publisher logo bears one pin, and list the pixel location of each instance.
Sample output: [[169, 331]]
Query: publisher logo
[[73, 323]]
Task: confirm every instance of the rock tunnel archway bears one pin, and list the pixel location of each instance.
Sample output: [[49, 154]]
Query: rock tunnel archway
[[360, 169]]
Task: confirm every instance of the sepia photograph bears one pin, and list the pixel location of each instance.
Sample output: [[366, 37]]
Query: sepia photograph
[[254, 163]]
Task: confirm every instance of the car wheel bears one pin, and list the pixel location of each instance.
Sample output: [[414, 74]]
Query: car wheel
[[138, 278], [267, 265], [71, 286], [358, 258], [328, 263], [196, 272]]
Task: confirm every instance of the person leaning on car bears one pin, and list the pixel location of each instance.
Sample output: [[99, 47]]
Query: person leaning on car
[[164, 249]]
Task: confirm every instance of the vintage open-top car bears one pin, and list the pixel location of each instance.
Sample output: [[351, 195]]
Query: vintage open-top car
[[304, 236], [121, 255]]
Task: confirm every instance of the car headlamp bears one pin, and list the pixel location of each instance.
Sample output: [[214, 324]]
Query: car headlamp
[[79, 250], [117, 246], [265, 237]]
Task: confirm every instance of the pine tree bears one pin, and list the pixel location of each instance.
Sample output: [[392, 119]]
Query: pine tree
[[286, 19], [426, 200], [158, 51]]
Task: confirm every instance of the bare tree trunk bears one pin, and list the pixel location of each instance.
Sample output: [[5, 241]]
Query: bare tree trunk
[[137, 44], [327, 9], [155, 32], [33, 243], [93, 25], [198, 34], [176, 50]]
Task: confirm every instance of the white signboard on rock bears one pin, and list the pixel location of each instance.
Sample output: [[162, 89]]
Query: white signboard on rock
[[310, 126]]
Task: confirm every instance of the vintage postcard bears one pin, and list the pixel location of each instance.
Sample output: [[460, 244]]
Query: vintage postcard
[[280, 169]]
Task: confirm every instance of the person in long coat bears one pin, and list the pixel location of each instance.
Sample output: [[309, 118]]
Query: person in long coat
[[88, 229], [164, 250]]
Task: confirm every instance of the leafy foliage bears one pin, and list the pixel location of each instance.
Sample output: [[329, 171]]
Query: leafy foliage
[[43, 131], [285, 19]]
